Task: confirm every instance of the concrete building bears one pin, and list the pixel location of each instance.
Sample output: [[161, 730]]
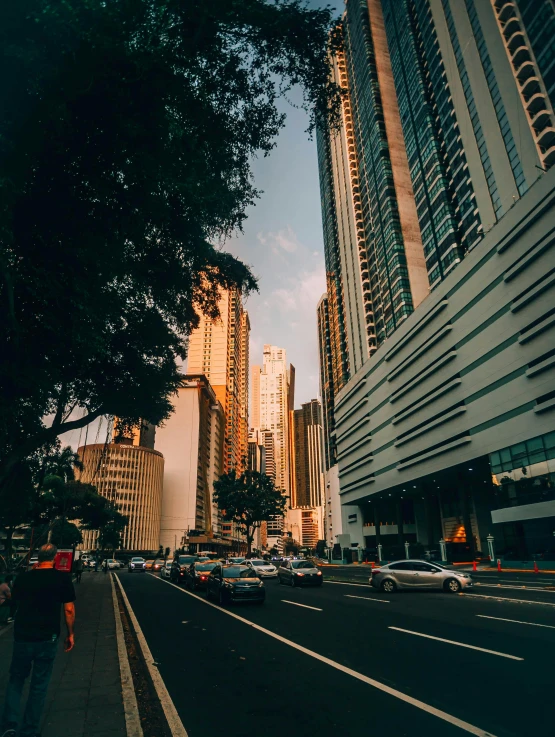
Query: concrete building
[[192, 442], [307, 444], [448, 430], [219, 350], [130, 476]]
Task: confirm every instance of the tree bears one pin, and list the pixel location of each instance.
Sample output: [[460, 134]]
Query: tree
[[290, 546], [126, 144], [248, 500], [109, 537]]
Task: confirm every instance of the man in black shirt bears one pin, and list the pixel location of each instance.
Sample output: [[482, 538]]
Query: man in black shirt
[[39, 595]]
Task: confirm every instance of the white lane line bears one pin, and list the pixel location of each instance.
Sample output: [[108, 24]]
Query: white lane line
[[130, 708], [286, 601], [505, 598], [461, 724], [514, 580], [344, 583], [174, 722], [366, 598], [501, 586], [517, 621], [459, 644]]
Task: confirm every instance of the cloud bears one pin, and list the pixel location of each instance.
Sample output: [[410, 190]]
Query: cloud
[[301, 293], [285, 239]]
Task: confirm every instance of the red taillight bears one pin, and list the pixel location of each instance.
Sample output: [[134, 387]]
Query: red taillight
[[203, 578], [375, 571]]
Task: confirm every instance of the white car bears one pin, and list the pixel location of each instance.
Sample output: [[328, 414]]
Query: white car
[[262, 568], [166, 569], [112, 564]]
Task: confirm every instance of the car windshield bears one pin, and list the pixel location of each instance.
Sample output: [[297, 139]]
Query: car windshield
[[184, 559], [158, 561], [236, 560], [302, 564], [237, 572], [137, 560], [259, 562], [205, 566]]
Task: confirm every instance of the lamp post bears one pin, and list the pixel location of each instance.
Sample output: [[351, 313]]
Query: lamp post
[[443, 548], [407, 545], [491, 549]]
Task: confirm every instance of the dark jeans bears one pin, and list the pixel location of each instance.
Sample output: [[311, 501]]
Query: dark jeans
[[39, 655]]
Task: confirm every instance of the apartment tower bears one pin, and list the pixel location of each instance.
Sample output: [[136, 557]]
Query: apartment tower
[[219, 350]]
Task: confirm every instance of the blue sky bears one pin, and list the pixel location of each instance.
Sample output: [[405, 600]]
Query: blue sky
[[282, 242]]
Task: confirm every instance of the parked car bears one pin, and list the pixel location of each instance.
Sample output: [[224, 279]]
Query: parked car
[[234, 583], [167, 569], [197, 574], [418, 574], [179, 566], [136, 564], [300, 573], [262, 568], [158, 564]]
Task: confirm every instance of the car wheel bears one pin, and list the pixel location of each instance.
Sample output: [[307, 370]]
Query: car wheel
[[388, 586], [452, 586]]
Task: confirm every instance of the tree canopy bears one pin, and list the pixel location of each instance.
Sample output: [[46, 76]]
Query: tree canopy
[[248, 500], [127, 132]]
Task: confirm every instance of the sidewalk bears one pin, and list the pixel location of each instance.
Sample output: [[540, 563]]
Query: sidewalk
[[85, 694]]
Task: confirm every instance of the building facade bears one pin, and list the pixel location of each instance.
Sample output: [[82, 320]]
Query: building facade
[[130, 476], [307, 435], [219, 350], [192, 442], [449, 126]]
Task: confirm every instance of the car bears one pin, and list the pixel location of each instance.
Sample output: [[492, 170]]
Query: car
[[166, 569], [149, 563], [136, 564], [235, 561], [228, 583], [262, 568], [418, 574], [179, 566], [112, 564], [299, 573], [158, 564], [197, 574]]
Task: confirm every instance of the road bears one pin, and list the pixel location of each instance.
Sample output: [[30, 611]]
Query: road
[[343, 660]]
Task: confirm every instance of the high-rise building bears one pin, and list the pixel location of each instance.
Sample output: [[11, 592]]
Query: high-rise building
[[451, 129], [307, 435], [327, 387], [130, 476], [192, 441], [219, 350]]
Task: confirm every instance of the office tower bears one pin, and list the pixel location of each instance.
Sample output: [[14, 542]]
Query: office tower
[[307, 434], [327, 387], [192, 442], [256, 451], [447, 120], [219, 350], [130, 476], [273, 394]]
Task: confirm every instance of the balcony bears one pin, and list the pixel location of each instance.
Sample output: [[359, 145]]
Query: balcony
[[511, 26], [520, 55], [515, 40], [540, 120], [548, 156], [546, 138], [524, 71], [505, 11], [530, 87]]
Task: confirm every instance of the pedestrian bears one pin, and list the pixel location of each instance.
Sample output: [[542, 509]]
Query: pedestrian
[[105, 566], [96, 565], [78, 570], [6, 615], [39, 595]]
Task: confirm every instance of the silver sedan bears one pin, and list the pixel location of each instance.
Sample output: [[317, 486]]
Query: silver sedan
[[418, 574]]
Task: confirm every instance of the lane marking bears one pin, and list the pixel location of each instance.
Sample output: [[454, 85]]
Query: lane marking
[[130, 708], [517, 621], [174, 722], [366, 598], [459, 644], [501, 586], [505, 598], [515, 580], [461, 724], [344, 583], [305, 606]]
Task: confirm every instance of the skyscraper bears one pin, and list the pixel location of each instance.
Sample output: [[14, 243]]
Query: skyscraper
[[219, 350], [327, 386], [451, 110], [307, 435]]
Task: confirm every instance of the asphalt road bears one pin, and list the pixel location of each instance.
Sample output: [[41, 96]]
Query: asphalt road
[[343, 660]]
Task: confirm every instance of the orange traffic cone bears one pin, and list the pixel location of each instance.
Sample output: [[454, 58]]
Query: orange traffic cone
[[499, 565], [474, 566], [536, 569]]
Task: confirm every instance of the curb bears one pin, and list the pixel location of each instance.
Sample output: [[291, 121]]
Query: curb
[[130, 707]]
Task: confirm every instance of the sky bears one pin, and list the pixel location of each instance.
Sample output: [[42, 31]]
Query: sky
[[282, 243]]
